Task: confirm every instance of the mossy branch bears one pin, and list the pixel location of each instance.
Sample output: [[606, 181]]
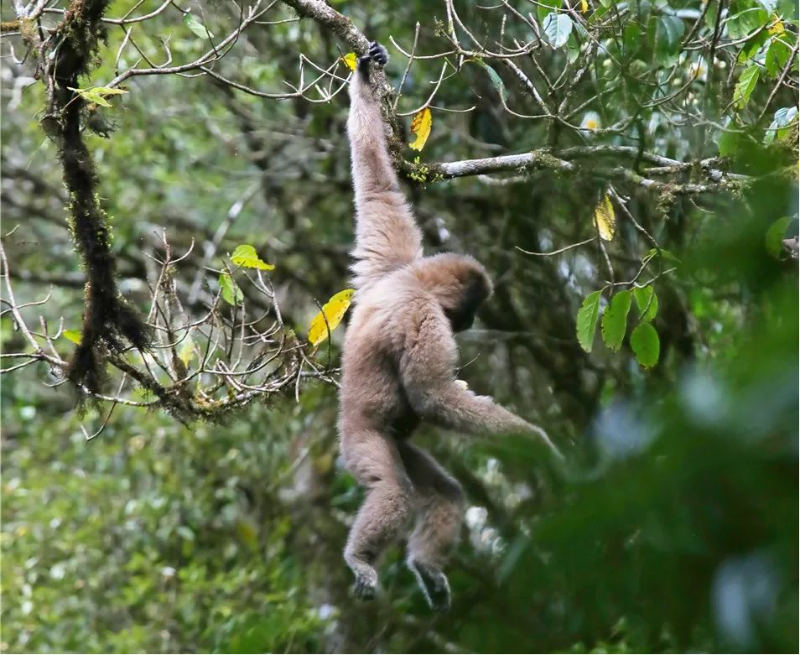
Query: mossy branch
[[107, 320]]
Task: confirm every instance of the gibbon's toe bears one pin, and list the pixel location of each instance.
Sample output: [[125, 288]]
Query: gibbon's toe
[[434, 585], [364, 588], [378, 53]]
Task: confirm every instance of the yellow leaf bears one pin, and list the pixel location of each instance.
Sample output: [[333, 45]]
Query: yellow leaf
[[591, 121], [186, 351], [246, 256], [333, 311], [247, 531], [584, 6], [605, 219], [421, 127], [350, 60], [777, 26], [72, 335]]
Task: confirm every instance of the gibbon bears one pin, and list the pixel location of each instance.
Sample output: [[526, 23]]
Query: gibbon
[[399, 365]]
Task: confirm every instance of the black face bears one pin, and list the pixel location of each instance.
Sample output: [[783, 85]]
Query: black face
[[463, 315]]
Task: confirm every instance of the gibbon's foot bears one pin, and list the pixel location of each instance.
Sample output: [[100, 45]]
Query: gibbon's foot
[[376, 53], [434, 585], [365, 588]]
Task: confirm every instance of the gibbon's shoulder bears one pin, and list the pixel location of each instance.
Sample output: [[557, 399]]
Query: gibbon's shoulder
[[398, 299]]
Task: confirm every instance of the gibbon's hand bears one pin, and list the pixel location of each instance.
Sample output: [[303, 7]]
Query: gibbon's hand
[[376, 53]]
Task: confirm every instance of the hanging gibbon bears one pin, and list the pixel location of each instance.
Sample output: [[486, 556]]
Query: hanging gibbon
[[399, 365]]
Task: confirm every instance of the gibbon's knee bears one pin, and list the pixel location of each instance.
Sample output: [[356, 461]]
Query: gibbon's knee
[[437, 530], [385, 514]]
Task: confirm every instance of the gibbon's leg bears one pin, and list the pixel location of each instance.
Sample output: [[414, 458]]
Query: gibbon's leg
[[375, 462], [440, 503], [387, 236]]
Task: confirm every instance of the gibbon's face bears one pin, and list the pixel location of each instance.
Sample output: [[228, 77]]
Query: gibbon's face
[[474, 292], [458, 282]]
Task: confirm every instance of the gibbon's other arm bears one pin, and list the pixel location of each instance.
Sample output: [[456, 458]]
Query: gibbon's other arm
[[427, 370], [386, 235]]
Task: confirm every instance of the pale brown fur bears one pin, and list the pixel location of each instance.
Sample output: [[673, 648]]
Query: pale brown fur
[[399, 366]]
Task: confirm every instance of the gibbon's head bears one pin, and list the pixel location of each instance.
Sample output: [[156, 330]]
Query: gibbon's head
[[460, 284]]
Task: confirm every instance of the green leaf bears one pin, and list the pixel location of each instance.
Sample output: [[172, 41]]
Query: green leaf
[[647, 302], [669, 31], [615, 320], [745, 85], [245, 255], [783, 117], [773, 239], [231, 293], [557, 28], [497, 81], [751, 48], [778, 54], [741, 24], [546, 7], [194, 24], [728, 143], [72, 335], [646, 345], [108, 90], [96, 98], [92, 95], [587, 320], [665, 254]]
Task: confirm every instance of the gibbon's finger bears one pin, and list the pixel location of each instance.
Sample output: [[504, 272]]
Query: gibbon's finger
[[553, 449]]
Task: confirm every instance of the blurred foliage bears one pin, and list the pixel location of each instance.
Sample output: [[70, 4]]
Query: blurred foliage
[[675, 525]]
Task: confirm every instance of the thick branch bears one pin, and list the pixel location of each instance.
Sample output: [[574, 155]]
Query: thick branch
[[107, 318], [561, 161]]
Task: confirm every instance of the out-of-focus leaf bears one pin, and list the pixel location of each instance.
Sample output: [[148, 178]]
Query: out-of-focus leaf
[[95, 94], [350, 60], [665, 254], [605, 219], [587, 320], [186, 350], [647, 302], [745, 22], [197, 27], [669, 31], [728, 143], [557, 28], [590, 121], [783, 117], [777, 27], [615, 320], [497, 81], [72, 335], [745, 85], [108, 90], [245, 255], [777, 56], [329, 318], [773, 239], [546, 7], [231, 293], [247, 531], [421, 129], [646, 345]]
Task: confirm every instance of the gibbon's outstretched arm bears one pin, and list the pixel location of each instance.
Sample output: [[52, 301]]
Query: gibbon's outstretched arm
[[387, 236], [428, 374]]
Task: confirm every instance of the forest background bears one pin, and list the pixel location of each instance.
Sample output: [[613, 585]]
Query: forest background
[[627, 171]]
